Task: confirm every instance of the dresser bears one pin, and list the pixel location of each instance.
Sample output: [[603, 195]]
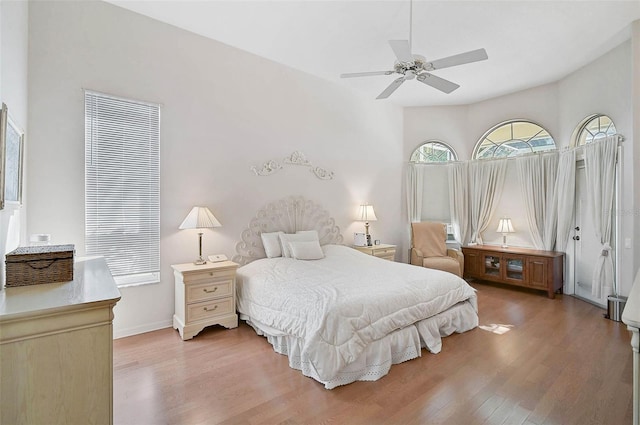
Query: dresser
[[524, 267], [56, 349], [205, 295], [631, 318], [385, 251]]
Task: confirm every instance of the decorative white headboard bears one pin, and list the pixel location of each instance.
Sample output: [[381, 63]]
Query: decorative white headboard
[[288, 215]]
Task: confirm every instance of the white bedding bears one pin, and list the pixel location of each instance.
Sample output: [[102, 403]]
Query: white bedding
[[336, 307]]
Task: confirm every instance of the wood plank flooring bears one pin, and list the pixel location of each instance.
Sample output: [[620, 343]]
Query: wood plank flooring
[[562, 363]]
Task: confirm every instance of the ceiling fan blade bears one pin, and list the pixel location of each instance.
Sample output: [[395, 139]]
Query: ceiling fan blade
[[402, 50], [365, 74], [441, 84], [462, 58], [391, 88]]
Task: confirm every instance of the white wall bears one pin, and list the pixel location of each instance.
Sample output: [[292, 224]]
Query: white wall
[[13, 92], [604, 86], [223, 111]]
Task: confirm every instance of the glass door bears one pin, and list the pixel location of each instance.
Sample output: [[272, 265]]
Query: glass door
[[491, 266], [515, 269]]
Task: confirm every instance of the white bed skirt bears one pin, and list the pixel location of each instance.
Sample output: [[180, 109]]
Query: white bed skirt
[[376, 360]]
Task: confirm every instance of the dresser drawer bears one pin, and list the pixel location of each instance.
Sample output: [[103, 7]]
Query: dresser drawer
[[209, 290], [209, 309]]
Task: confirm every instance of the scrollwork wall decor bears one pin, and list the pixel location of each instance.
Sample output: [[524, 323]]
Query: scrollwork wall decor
[[296, 158], [268, 168]]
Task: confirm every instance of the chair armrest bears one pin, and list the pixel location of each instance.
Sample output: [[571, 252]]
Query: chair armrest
[[416, 257], [457, 255]]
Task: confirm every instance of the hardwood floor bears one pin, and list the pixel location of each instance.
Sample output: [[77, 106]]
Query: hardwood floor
[[561, 363]]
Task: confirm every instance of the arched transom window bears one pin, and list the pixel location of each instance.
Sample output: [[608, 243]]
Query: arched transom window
[[594, 127], [513, 138], [433, 151]]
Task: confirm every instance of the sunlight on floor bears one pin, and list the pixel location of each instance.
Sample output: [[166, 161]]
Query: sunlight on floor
[[496, 328]]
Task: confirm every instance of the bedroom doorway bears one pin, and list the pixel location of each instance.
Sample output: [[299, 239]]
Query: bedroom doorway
[[586, 245]]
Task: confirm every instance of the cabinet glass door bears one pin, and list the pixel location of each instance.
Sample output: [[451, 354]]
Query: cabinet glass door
[[492, 265], [514, 268]]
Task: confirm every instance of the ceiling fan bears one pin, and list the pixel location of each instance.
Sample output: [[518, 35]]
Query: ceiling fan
[[411, 66]]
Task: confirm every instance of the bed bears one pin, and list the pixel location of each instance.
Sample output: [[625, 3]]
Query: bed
[[342, 316]]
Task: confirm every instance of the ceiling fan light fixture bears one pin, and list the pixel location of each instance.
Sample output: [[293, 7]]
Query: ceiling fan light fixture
[[409, 75]]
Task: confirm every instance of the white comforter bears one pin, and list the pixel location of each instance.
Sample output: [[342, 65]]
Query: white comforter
[[343, 302]]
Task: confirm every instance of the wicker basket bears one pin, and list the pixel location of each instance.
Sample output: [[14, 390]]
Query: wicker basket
[[33, 265]]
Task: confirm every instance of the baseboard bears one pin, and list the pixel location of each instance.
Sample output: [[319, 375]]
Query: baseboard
[[148, 327]]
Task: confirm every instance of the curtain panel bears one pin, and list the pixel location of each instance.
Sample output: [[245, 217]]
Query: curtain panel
[[486, 180], [600, 170], [459, 200], [415, 183], [566, 193], [538, 175]]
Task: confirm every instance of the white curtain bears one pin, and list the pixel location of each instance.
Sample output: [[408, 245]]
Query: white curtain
[[415, 178], [538, 184], [600, 170], [459, 200], [566, 193], [486, 180]]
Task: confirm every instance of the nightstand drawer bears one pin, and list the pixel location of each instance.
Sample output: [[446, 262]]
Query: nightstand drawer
[[385, 253], [203, 276], [209, 290], [209, 309]]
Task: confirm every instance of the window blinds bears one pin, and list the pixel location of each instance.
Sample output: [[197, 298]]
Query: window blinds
[[122, 185]]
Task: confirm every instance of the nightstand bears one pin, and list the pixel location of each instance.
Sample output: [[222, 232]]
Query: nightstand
[[205, 296], [388, 252]]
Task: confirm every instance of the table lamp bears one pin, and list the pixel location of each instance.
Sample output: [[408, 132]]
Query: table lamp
[[504, 227], [366, 214], [200, 218]]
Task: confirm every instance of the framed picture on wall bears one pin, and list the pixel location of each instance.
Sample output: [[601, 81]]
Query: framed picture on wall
[[3, 134], [13, 159]]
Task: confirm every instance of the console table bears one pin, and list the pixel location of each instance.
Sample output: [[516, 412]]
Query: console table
[[524, 267], [56, 358]]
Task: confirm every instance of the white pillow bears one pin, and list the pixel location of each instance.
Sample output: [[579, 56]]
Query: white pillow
[[271, 244], [302, 236], [306, 250]]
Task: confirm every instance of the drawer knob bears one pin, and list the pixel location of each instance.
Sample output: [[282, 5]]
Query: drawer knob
[[210, 291], [211, 309], [210, 273]]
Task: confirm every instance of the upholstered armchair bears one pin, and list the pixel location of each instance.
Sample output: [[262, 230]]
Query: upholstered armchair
[[429, 248]]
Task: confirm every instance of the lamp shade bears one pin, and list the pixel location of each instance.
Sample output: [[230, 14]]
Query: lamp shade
[[200, 218], [505, 226], [366, 213]]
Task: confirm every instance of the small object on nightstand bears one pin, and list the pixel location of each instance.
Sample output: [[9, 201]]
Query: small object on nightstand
[[217, 258], [385, 251], [359, 239], [205, 295]]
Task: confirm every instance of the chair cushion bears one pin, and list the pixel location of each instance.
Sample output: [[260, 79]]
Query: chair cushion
[[446, 264], [429, 238]]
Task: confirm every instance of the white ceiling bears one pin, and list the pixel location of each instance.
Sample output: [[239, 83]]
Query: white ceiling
[[529, 43]]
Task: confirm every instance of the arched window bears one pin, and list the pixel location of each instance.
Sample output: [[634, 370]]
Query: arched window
[[433, 151], [513, 138], [594, 127]]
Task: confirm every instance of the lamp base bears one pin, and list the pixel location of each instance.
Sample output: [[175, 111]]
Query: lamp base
[[200, 261], [504, 241]]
